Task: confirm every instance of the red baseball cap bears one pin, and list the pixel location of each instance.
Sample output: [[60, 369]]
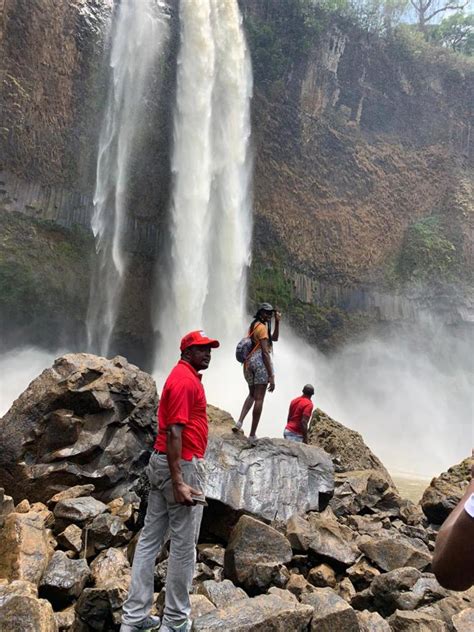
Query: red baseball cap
[[197, 338]]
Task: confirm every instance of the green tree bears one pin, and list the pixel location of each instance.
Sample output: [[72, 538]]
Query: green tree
[[456, 32]]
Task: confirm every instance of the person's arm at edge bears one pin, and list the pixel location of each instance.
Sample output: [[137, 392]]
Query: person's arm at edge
[[267, 361], [453, 557], [276, 330], [181, 490], [304, 427]]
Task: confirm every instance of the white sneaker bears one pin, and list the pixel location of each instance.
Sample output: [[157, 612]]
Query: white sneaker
[[237, 427]]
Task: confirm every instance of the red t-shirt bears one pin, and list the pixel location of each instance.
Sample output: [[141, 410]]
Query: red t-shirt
[[299, 408], [183, 401]]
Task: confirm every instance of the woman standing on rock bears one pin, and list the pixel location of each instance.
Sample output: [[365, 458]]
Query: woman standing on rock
[[258, 366]]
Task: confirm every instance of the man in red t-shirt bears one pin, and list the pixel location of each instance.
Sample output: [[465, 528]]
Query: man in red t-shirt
[[176, 498], [299, 415]]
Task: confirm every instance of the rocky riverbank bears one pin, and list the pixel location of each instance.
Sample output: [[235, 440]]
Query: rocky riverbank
[[294, 538]]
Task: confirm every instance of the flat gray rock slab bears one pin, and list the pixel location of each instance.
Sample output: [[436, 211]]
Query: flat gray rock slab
[[272, 480]]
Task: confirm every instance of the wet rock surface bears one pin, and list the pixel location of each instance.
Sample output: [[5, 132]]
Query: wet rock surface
[[301, 476]]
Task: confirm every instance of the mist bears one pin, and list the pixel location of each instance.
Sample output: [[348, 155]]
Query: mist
[[408, 391]]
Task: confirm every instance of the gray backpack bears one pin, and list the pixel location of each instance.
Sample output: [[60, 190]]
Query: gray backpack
[[245, 347]]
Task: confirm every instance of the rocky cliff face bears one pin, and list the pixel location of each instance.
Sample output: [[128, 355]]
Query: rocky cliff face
[[363, 161]]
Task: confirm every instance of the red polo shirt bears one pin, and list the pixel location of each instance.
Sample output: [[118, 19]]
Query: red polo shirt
[[299, 408], [183, 401]]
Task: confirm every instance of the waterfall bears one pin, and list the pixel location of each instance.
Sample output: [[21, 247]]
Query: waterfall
[[210, 225], [140, 30]]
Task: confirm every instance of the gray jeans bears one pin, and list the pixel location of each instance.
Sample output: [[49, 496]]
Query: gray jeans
[[183, 522]]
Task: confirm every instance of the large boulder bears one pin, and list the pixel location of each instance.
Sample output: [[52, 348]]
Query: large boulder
[[265, 613], [64, 579], [331, 612], [346, 446], [272, 480], [255, 554], [445, 491], [85, 420], [394, 551]]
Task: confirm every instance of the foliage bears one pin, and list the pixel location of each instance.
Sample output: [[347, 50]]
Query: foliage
[[427, 10], [427, 253], [455, 32]]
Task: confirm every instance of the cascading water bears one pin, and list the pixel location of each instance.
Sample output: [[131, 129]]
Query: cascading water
[[140, 30], [210, 211]]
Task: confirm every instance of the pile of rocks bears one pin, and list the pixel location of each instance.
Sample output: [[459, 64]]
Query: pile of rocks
[[286, 544]]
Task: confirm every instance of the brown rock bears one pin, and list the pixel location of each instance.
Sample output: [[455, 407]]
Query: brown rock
[[76, 491], [322, 576], [464, 621], [255, 554], [264, 613], [282, 594], [25, 547], [418, 621], [297, 585], [79, 510], [23, 506], [362, 574], [110, 564], [46, 515], [71, 538], [65, 619], [345, 445], [331, 612], [331, 539], [7, 506], [211, 554], [372, 622], [22, 611], [299, 533], [346, 590], [391, 552], [200, 605], [445, 491], [445, 609]]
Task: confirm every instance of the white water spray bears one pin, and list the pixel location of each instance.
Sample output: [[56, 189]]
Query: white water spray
[[210, 214], [140, 31]]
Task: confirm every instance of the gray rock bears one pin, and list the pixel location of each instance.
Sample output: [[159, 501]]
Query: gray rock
[[372, 622], [346, 590], [255, 554], [331, 612], [445, 609], [79, 510], [464, 621], [7, 506], [63, 580], [98, 608], [265, 613], [391, 552], [402, 621], [390, 587], [221, 593], [106, 531], [282, 594], [86, 420], [299, 533], [237, 474]]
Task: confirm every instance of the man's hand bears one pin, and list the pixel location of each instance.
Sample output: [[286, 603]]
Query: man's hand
[[277, 316], [183, 493], [271, 384]]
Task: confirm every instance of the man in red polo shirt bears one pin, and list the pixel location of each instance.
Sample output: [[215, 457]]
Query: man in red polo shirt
[[176, 477], [299, 415]]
